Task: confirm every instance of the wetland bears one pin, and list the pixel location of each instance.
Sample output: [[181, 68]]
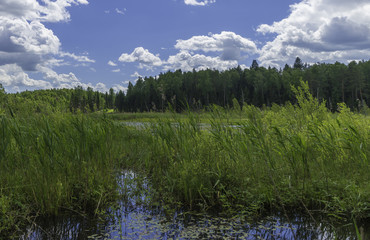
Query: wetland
[[288, 172]]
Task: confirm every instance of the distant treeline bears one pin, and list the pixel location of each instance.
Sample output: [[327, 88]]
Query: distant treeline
[[259, 86]]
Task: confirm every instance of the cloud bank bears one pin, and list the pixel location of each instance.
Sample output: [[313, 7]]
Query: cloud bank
[[227, 47], [317, 30], [27, 45]]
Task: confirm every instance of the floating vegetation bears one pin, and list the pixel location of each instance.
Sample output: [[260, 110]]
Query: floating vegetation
[[133, 218]]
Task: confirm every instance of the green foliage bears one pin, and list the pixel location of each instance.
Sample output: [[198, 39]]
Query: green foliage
[[56, 162], [308, 105], [259, 86], [295, 156]]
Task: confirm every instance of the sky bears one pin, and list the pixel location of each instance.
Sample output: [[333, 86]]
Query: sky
[[108, 43]]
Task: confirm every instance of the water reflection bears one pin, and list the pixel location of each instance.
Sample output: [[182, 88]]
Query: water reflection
[[131, 218]]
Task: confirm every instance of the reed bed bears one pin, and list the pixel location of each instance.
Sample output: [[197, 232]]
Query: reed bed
[[299, 157], [296, 157], [56, 163]]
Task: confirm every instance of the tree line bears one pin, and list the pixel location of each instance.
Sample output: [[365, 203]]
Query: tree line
[[259, 86]]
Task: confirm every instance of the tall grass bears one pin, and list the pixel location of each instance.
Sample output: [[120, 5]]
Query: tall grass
[[250, 160], [297, 156], [56, 162]]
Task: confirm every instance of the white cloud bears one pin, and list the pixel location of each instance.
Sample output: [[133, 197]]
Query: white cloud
[[118, 87], [26, 44], [122, 12], [187, 62], [49, 11], [101, 87], [316, 30], [199, 2], [229, 44], [84, 59], [60, 80], [230, 47], [69, 80], [13, 77], [136, 75], [116, 70], [143, 56], [111, 63]]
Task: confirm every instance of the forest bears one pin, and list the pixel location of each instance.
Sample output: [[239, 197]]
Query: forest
[[258, 86]]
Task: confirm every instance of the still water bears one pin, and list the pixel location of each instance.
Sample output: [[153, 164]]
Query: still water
[[132, 218]]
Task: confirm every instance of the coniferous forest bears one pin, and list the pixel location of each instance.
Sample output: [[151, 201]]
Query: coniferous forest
[[258, 86]]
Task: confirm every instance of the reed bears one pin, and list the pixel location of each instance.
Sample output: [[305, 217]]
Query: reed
[[250, 160], [297, 156], [56, 162]]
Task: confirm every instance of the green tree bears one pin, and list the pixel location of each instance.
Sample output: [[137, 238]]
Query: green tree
[[119, 101], [298, 64], [110, 98], [254, 65], [90, 99], [2, 98]]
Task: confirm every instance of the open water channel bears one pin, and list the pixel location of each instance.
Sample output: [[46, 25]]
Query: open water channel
[[132, 218]]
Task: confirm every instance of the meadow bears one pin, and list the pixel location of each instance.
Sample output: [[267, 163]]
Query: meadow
[[243, 160]]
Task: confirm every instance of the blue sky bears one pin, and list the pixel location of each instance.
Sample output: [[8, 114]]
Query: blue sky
[[107, 43]]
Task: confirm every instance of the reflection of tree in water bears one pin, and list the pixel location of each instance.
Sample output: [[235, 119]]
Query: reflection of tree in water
[[63, 227], [151, 225], [133, 218]]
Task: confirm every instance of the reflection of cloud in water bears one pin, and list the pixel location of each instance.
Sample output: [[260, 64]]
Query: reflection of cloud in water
[[132, 218]]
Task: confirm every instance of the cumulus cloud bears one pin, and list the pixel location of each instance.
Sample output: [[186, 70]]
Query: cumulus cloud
[[118, 87], [136, 75], [49, 11], [143, 56], [228, 47], [229, 44], [316, 30], [199, 2], [13, 77], [111, 63], [26, 44], [101, 87], [68, 80], [187, 62], [83, 59]]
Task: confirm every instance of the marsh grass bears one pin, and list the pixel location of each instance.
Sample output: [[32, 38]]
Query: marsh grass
[[292, 157], [58, 162]]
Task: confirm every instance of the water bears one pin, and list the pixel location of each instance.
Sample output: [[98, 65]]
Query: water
[[132, 218]]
